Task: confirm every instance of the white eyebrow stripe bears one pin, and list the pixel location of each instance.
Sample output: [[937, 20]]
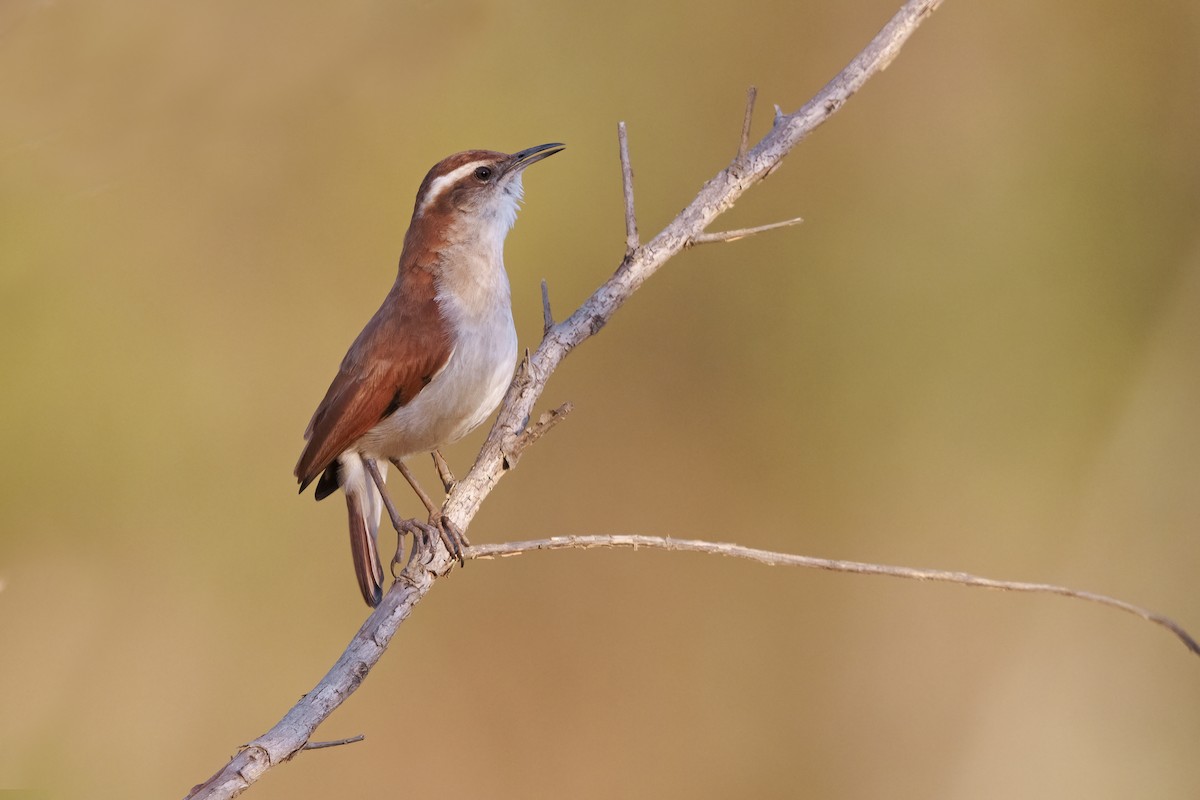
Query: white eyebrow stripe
[[442, 182]]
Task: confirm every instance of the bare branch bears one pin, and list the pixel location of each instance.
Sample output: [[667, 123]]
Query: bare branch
[[632, 242], [488, 551], [718, 195], [751, 95], [741, 233]]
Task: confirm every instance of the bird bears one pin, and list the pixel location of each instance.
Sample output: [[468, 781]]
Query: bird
[[433, 362]]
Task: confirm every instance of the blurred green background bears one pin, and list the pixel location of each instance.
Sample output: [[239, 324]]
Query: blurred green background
[[980, 352]]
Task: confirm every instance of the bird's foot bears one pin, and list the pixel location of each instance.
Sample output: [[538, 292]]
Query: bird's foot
[[452, 536], [422, 542], [439, 527]]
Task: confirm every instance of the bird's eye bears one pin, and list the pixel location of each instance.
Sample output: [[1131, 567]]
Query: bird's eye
[[483, 173]]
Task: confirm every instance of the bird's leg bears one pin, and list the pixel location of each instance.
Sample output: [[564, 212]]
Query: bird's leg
[[443, 471], [422, 533], [448, 483], [452, 537]]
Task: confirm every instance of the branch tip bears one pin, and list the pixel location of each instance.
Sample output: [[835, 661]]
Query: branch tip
[[772, 558], [741, 233], [743, 145], [547, 316], [334, 743], [632, 242], [545, 422]]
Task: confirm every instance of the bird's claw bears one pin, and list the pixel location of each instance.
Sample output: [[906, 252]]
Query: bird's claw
[[452, 537], [424, 533]]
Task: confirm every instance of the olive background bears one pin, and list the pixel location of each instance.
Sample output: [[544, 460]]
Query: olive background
[[980, 352]]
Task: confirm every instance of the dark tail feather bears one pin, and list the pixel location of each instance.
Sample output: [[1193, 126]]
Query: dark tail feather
[[364, 521], [330, 480]]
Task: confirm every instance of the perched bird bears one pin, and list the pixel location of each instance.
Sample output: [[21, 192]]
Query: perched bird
[[437, 357]]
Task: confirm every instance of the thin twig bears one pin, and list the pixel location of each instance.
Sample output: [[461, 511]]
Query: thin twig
[[445, 474], [741, 233], [547, 316], [632, 242], [545, 422], [744, 144], [832, 565], [334, 743]]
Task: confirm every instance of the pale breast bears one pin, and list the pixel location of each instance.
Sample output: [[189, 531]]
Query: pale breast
[[460, 397]]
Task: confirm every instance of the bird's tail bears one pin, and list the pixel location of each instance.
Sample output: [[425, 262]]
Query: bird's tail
[[364, 504]]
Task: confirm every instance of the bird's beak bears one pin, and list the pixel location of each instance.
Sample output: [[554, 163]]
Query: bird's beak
[[532, 155]]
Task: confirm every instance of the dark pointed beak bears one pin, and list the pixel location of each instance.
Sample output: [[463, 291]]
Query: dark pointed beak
[[521, 160]]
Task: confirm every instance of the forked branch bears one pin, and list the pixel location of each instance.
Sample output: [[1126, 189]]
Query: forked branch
[[511, 432]]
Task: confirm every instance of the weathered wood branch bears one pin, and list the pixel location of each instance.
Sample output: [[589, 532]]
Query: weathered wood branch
[[511, 432]]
